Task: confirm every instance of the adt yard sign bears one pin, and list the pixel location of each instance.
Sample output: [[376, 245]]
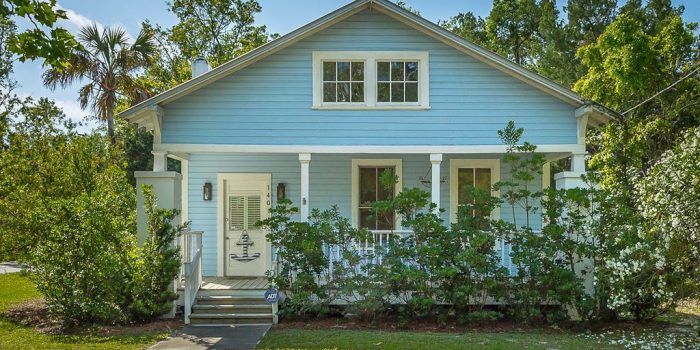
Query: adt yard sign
[[271, 296]]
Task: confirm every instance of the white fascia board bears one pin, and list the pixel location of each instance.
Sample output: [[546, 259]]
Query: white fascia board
[[366, 149]]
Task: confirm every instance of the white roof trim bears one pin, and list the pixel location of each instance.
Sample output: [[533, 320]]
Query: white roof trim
[[392, 10]]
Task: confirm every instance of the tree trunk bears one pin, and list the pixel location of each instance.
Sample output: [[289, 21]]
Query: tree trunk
[[110, 126]]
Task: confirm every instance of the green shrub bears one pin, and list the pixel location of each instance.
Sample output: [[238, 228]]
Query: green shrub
[[303, 272], [68, 211], [156, 264]]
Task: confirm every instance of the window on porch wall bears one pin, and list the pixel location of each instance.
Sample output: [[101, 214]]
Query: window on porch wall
[[469, 178], [371, 191]]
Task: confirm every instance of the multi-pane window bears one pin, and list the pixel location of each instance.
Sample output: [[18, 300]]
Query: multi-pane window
[[343, 81], [372, 191], [469, 179], [397, 81]]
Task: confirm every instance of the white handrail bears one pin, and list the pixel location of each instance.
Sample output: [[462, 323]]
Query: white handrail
[[192, 269]]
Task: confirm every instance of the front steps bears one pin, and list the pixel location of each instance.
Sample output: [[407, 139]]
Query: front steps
[[231, 306]]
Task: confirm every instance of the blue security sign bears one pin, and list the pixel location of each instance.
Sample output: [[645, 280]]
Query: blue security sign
[[271, 296]]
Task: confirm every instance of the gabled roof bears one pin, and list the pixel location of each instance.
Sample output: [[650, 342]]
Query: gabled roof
[[392, 10]]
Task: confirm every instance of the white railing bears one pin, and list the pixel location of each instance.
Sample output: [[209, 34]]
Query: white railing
[[381, 238], [366, 248], [191, 250]]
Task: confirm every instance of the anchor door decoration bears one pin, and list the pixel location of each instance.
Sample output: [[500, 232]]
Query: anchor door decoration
[[247, 249]]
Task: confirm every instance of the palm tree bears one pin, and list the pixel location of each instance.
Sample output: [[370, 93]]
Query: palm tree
[[107, 61]]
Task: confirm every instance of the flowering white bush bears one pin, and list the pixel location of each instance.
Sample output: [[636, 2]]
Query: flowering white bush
[[646, 340], [670, 205], [650, 252]]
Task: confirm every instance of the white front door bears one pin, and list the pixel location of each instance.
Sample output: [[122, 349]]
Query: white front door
[[247, 200]]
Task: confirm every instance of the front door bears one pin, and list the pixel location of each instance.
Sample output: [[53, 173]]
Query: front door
[[247, 200]]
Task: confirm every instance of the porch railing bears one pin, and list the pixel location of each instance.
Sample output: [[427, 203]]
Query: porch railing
[[366, 248], [191, 250], [381, 238]]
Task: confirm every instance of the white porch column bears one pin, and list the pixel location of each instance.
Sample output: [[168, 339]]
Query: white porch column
[[160, 161], [304, 159], [572, 179], [184, 160], [569, 180], [435, 161]]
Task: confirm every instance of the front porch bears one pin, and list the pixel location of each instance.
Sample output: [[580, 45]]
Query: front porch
[[310, 181]]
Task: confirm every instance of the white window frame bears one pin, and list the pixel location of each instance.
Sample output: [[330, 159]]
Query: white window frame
[[356, 164], [456, 164], [371, 58]]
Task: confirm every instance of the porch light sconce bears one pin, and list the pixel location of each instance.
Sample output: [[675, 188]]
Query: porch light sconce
[[280, 191], [206, 191]]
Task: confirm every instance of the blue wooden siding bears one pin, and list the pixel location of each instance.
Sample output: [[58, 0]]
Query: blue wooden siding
[[270, 101], [330, 183]]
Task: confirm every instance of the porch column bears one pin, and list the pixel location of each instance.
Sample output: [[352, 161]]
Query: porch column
[[569, 180], [304, 159], [572, 179], [160, 161], [435, 160]]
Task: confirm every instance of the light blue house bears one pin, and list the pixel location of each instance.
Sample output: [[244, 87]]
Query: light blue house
[[317, 114]]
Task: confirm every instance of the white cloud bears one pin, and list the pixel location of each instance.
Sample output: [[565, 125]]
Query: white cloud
[[77, 21]]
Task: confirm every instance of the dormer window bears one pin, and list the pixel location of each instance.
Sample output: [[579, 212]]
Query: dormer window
[[370, 80]]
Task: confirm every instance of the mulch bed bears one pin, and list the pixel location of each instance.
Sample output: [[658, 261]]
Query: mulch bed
[[432, 324], [33, 313], [421, 325]]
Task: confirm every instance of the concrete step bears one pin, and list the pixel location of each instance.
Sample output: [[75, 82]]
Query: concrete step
[[229, 318], [232, 309], [228, 300]]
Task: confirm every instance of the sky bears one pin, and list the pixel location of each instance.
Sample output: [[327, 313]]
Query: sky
[[280, 16]]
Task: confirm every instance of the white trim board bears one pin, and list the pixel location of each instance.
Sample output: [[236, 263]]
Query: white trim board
[[456, 164], [564, 149], [356, 164]]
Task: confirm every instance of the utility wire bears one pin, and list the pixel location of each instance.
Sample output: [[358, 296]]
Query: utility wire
[[662, 91]]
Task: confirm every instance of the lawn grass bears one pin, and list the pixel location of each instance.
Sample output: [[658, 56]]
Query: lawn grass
[[15, 288], [362, 339]]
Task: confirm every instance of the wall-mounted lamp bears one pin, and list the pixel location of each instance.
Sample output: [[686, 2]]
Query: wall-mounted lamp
[[280, 191], [206, 191]]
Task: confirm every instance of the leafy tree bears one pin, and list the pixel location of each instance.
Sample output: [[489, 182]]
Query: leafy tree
[[468, 26], [644, 49], [31, 162], [217, 30], [534, 34], [108, 61], [54, 47], [66, 212], [8, 100], [587, 19]]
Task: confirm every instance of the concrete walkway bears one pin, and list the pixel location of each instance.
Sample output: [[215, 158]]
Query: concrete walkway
[[10, 267], [214, 337]]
